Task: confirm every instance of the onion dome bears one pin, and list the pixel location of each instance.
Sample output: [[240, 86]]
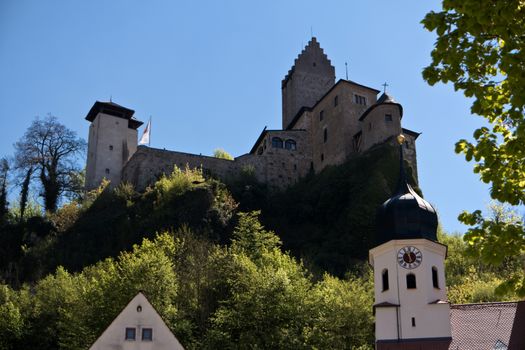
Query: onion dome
[[406, 215]]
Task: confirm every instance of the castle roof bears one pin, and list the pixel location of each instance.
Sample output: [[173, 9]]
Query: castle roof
[[116, 110], [384, 99]]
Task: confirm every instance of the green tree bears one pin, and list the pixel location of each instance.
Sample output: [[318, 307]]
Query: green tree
[[480, 48], [222, 154]]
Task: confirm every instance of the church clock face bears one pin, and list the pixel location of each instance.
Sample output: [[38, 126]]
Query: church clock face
[[409, 257]]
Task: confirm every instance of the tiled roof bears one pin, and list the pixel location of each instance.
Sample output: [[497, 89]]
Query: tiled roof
[[487, 326]]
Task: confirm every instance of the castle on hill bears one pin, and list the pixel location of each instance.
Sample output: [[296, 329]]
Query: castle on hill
[[324, 123]]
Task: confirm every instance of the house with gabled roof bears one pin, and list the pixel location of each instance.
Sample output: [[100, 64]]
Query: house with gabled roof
[[137, 327]]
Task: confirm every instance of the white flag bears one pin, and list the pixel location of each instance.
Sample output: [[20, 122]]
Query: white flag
[[144, 140]]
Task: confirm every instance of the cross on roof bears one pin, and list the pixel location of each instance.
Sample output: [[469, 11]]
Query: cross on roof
[[384, 87]]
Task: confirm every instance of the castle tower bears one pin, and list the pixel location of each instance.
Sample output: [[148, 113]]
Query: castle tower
[[311, 76], [411, 307], [112, 141]]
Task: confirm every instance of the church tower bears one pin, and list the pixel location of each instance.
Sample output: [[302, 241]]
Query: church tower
[[311, 76], [112, 141], [411, 307]]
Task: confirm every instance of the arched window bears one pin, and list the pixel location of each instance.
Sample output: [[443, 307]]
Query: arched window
[[385, 279], [277, 142], [435, 280], [411, 281], [290, 144]]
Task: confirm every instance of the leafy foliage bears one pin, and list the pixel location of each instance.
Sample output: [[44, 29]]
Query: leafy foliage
[[222, 154], [480, 49], [210, 296]]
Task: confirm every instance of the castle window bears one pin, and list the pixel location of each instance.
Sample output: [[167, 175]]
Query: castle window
[[325, 135], [147, 334], [322, 157], [260, 151], [290, 144], [295, 167], [369, 126], [411, 281], [384, 278], [413, 321], [314, 64], [360, 100], [277, 142], [321, 115], [407, 145], [435, 280], [388, 117], [336, 101], [107, 171], [130, 333], [111, 147]]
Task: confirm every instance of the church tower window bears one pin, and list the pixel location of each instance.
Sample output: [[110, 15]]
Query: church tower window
[[277, 142], [435, 280], [321, 115], [384, 277], [325, 135], [336, 101], [388, 118], [411, 281]]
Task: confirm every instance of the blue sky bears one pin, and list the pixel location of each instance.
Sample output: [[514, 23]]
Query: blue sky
[[209, 73]]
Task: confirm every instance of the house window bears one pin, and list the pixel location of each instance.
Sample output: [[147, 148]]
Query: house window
[[111, 147], [290, 144], [147, 334], [411, 281], [325, 135], [413, 321], [435, 280], [388, 117], [130, 333], [336, 101], [277, 142], [107, 171], [385, 280], [321, 115]]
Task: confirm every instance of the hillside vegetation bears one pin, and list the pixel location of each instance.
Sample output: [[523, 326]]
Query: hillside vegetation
[[200, 251]]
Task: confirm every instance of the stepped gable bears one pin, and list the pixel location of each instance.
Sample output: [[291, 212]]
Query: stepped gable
[[311, 49]]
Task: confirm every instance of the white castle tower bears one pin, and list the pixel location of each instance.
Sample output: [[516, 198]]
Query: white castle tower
[[112, 141], [411, 307]]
